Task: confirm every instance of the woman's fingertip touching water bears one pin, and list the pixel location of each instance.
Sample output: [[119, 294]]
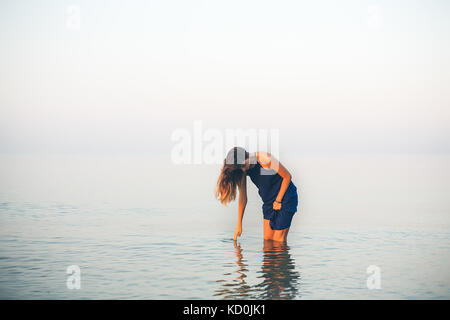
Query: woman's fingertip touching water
[[275, 187]]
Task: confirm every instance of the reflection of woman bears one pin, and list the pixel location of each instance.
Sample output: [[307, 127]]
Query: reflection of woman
[[278, 271], [280, 279], [273, 180], [239, 287]]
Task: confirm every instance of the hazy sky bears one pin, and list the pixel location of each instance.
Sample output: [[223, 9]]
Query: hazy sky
[[332, 76]]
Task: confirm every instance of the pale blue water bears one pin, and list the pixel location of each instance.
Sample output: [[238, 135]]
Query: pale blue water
[[132, 241]]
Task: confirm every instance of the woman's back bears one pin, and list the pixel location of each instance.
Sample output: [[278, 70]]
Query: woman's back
[[268, 182]]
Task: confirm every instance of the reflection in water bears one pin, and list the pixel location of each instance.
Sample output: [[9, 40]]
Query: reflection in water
[[280, 279]]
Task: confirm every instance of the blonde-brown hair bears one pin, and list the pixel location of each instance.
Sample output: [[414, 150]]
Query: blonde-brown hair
[[231, 174]]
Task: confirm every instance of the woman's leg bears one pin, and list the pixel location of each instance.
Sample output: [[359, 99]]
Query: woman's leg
[[280, 235], [268, 232], [276, 235]]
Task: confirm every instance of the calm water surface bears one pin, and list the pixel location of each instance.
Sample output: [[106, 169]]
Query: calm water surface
[[133, 240]]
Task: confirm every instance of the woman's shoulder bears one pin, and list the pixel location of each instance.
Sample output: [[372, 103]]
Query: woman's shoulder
[[258, 159], [264, 158]]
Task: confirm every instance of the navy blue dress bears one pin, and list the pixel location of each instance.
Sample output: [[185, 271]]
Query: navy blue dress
[[268, 182]]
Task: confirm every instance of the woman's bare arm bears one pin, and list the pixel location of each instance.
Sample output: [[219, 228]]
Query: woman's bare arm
[[268, 161], [241, 206]]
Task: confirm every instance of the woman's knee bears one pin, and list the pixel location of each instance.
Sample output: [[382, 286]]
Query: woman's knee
[[267, 237], [280, 235], [268, 232]]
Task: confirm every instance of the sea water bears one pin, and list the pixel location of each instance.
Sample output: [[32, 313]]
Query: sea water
[[141, 227]]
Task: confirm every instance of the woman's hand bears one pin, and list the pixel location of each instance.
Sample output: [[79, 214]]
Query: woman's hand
[[238, 232], [276, 205]]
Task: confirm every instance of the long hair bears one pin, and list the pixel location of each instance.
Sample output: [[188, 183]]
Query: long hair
[[231, 174]]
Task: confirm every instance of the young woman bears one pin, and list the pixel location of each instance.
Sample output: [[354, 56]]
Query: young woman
[[277, 191]]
